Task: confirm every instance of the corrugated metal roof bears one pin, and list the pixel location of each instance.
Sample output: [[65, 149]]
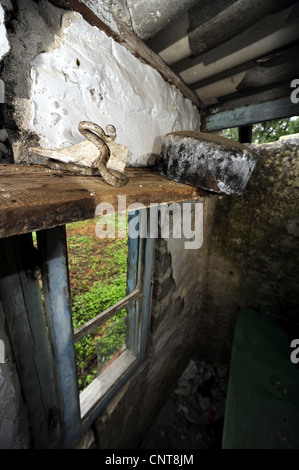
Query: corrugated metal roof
[[233, 53]]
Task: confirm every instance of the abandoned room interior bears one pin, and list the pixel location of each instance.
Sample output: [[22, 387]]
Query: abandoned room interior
[[149, 281]]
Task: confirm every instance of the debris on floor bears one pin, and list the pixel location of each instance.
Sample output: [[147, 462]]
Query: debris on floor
[[193, 415]]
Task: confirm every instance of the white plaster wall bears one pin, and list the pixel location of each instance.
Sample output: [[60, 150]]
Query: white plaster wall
[[88, 76], [4, 48], [4, 44]]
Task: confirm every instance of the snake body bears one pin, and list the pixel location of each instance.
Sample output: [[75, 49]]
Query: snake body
[[99, 137]]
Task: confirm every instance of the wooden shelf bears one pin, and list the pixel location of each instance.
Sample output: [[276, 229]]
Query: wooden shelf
[[35, 198]]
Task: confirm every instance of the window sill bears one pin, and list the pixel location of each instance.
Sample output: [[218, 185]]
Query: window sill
[[36, 198], [108, 380]]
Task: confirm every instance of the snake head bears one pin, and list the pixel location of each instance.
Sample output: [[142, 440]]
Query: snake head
[[110, 132], [95, 133]]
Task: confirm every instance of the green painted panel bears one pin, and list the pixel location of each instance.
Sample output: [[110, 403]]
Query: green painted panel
[[262, 408]]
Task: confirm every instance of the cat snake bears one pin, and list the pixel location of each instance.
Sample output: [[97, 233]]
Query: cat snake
[[99, 137]]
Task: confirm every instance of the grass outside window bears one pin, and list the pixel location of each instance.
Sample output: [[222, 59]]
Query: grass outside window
[[98, 280]]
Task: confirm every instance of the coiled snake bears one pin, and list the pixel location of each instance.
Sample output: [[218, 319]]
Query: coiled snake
[[98, 137]]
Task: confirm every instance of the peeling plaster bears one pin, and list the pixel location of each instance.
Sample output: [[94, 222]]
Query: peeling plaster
[[94, 78]]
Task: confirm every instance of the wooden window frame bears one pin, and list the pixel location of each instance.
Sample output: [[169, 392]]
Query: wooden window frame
[[79, 410]]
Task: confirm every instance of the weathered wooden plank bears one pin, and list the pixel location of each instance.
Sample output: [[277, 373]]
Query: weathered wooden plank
[[264, 94], [52, 245], [134, 245], [36, 198], [252, 114], [135, 276], [285, 55], [23, 308]]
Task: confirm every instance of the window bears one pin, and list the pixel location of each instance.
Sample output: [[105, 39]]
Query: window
[[98, 280], [120, 329], [48, 374]]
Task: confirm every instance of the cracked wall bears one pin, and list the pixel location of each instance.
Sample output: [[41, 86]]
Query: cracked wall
[[254, 249]]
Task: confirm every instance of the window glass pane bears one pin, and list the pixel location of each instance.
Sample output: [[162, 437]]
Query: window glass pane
[[115, 337], [99, 349], [98, 279], [93, 352], [113, 340]]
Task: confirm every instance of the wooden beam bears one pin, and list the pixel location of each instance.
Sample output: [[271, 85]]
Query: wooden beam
[[252, 95], [284, 54], [286, 31], [54, 270], [206, 23], [35, 198], [263, 94], [251, 114]]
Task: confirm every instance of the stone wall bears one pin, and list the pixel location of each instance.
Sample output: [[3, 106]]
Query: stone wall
[[254, 249]]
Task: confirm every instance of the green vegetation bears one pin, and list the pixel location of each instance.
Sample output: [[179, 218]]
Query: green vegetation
[[269, 131], [98, 273]]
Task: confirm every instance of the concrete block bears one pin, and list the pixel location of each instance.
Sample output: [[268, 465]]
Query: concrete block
[[206, 161]]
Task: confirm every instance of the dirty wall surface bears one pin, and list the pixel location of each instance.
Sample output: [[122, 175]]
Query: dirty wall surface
[[254, 253]]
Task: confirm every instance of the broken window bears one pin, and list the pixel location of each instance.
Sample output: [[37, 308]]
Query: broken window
[[96, 293], [98, 280]]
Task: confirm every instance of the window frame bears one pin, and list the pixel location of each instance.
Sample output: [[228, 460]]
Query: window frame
[[79, 410]]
